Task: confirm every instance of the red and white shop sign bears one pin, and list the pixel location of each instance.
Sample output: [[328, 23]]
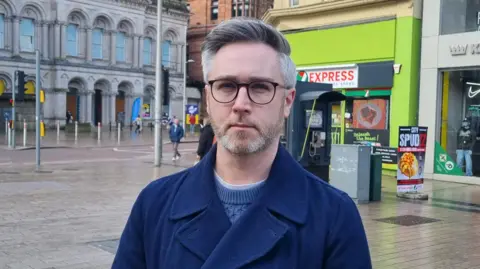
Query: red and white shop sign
[[343, 78]]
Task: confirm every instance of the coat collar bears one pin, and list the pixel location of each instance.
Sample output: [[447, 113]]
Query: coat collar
[[285, 191]]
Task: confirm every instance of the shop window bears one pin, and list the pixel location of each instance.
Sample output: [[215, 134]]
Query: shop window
[[367, 121], [460, 119], [459, 16]]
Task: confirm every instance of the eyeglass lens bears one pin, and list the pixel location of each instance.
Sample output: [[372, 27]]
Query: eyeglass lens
[[225, 91]]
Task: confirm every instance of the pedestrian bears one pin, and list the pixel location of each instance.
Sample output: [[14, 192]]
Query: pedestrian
[[176, 134], [205, 141], [138, 123], [248, 203], [192, 120]]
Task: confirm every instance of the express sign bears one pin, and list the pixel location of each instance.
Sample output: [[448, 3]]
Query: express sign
[[339, 78]]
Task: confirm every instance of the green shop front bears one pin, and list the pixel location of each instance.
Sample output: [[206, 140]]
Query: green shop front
[[376, 66]]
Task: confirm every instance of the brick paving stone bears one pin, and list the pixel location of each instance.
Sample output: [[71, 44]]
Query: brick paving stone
[[55, 220]]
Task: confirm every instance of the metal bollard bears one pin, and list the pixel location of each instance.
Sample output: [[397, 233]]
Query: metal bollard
[[24, 133], [99, 125], [9, 135], [6, 130], [76, 131], [58, 130], [119, 128]]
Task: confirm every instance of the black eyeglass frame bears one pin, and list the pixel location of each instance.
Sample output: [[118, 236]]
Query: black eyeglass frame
[[247, 87]]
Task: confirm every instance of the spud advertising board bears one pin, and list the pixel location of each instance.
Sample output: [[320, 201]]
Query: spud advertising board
[[412, 144]]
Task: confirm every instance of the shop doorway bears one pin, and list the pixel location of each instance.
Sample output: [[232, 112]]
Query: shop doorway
[[461, 104]]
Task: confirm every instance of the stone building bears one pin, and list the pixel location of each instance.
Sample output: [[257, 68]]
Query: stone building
[[97, 56], [206, 14]]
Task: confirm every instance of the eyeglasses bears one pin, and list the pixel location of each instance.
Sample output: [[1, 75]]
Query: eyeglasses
[[259, 92]]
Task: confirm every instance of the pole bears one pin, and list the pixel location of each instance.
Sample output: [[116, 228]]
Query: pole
[[24, 133], [37, 108], [13, 109], [9, 135], [158, 88], [185, 62], [119, 126], [58, 131], [99, 132], [6, 132], [76, 131]]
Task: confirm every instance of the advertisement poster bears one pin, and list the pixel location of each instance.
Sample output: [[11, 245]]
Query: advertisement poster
[[370, 114], [146, 111], [412, 143], [191, 114]]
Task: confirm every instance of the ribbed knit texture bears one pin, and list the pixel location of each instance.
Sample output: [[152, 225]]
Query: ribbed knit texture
[[236, 199]]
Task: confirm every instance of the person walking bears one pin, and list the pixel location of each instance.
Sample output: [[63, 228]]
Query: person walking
[[205, 141], [248, 203], [176, 133], [192, 120]]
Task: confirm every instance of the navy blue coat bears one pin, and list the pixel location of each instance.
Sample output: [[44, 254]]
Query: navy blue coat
[[297, 222], [176, 134]]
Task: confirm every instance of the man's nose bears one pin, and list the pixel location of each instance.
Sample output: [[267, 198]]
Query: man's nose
[[242, 103]]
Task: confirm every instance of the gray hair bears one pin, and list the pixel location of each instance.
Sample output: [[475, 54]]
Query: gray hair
[[242, 29]]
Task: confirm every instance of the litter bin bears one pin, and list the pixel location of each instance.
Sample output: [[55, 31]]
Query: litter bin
[[376, 177]]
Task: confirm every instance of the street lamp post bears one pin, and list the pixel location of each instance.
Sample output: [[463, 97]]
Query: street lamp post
[[185, 88], [158, 88]]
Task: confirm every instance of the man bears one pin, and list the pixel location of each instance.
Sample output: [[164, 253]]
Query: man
[[465, 143], [176, 134], [205, 141], [248, 203]]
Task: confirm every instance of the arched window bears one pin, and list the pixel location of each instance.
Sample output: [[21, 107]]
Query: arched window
[[2, 31], [147, 51], [97, 43], [120, 46], [27, 35], [166, 53], [72, 40]]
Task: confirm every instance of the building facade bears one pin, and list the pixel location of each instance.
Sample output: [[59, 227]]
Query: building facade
[[97, 56], [206, 14], [368, 50], [450, 87]]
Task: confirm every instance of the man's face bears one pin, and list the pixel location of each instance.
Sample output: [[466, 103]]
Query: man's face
[[242, 126], [175, 121]]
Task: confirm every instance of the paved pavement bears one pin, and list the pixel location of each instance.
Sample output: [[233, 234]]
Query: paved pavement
[[69, 215]]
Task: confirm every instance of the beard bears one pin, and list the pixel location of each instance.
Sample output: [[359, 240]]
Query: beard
[[245, 142]]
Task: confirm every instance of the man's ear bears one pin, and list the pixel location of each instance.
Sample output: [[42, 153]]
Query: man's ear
[[289, 99]]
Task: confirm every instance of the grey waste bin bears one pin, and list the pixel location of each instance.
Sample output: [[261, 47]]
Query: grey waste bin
[[376, 177]]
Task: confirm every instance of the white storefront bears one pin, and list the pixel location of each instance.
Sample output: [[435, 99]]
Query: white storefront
[[450, 86]]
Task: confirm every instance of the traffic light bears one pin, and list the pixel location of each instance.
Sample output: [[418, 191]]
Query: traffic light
[[11, 102], [20, 85], [166, 83]]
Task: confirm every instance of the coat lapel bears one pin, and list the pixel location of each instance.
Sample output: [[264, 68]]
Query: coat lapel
[[258, 230], [197, 201]]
